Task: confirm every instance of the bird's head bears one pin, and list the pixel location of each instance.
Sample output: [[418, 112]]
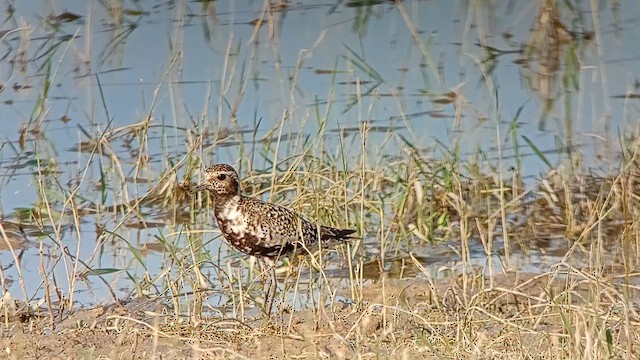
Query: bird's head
[[221, 180]]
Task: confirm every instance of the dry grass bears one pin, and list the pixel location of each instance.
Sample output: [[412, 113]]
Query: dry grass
[[179, 293]]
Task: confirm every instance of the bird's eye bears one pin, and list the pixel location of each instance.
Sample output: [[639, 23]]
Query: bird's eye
[[221, 177]]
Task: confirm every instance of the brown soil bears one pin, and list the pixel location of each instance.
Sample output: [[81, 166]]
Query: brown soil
[[520, 316]]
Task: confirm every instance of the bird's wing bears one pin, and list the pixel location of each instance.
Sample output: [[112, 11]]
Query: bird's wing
[[280, 225]]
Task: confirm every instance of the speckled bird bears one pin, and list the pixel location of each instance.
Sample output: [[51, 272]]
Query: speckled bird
[[260, 228]]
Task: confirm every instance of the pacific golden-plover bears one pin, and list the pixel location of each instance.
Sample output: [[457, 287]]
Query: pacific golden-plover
[[263, 229]]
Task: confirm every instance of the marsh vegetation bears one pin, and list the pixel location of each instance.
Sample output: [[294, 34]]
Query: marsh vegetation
[[496, 220]]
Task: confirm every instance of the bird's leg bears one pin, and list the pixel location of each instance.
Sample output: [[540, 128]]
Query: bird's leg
[[271, 285], [271, 291]]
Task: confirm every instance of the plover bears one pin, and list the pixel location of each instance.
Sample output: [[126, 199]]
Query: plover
[[259, 228]]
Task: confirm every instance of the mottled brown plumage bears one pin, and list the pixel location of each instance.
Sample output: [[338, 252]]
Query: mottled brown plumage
[[260, 228]]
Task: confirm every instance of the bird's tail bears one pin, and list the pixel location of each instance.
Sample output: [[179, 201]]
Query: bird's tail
[[341, 235]]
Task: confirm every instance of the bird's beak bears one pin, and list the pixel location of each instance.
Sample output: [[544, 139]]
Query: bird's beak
[[199, 188]]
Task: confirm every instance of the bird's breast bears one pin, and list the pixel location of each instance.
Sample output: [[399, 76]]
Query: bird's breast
[[241, 230]]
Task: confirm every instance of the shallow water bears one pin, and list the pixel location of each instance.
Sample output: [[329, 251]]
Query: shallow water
[[100, 102]]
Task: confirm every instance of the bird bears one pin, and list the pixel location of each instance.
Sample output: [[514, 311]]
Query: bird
[[263, 229]]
